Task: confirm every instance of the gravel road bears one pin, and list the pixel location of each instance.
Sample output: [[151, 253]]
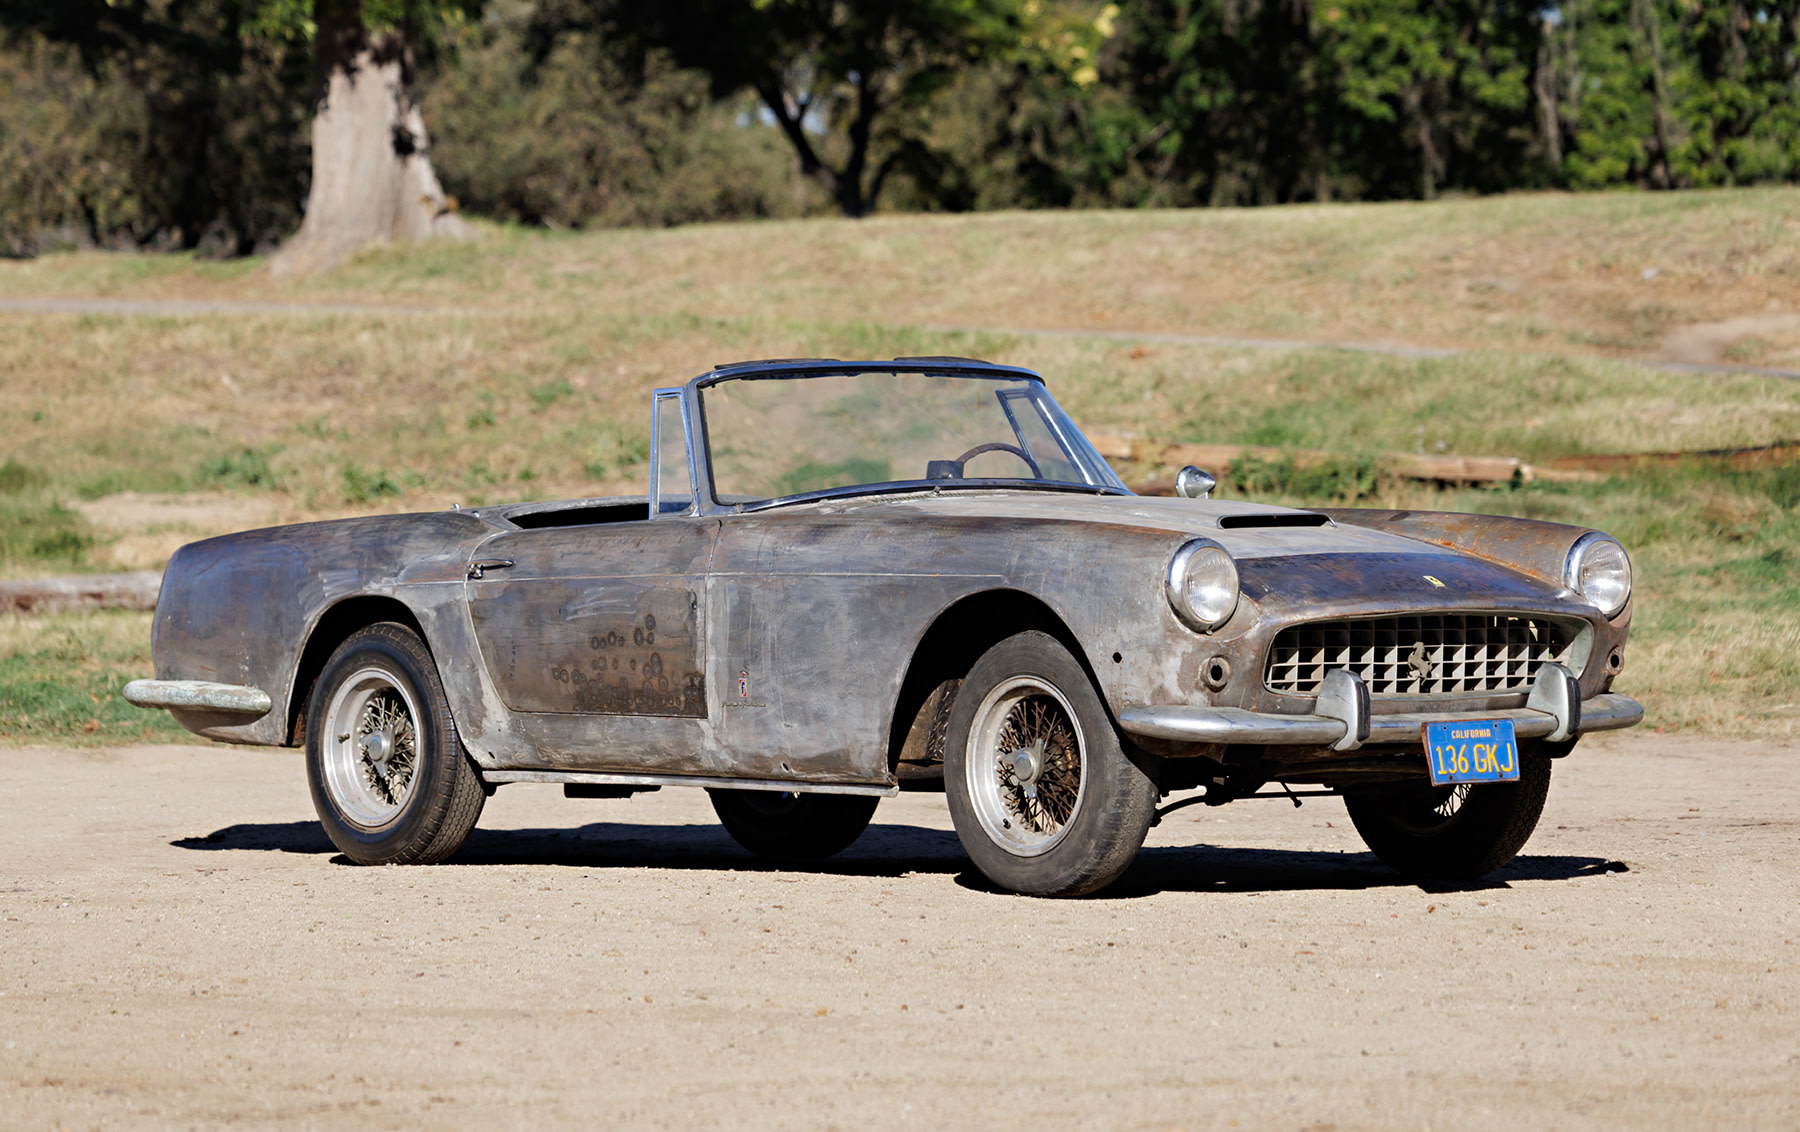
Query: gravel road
[[181, 947]]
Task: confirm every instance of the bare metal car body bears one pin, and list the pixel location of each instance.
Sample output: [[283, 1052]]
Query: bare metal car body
[[810, 645]]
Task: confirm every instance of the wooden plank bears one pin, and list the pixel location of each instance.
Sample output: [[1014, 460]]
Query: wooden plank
[[81, 591], [1218, 458]]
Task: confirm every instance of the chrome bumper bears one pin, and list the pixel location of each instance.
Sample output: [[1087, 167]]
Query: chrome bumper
[[1554, 711], [201, 695]]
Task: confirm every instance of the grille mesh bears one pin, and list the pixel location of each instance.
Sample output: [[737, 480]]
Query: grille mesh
[[1418, 654]]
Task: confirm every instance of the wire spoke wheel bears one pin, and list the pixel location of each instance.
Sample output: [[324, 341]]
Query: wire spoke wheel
[[1453, 801], [371, 748], [1045, 798], [390, 779], [1026, 765], [1457, 832]]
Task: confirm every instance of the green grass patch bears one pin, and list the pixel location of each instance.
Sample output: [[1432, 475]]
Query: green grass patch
[[38, 534], [244, 468], [61, 677]]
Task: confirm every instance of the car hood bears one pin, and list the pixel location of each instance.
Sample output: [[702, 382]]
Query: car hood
[[1247, 530], [1297, 568]]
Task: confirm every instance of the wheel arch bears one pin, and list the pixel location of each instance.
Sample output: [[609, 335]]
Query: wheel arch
[[333, 628], [957, 637]]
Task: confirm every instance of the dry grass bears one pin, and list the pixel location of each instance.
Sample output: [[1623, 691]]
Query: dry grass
[[523, 374], [1543, 273]]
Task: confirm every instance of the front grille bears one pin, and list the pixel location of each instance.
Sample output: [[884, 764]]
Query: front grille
[[1419, 654]]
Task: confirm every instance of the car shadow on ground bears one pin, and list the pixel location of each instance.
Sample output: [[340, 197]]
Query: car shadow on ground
[[885, 850], [1215, 868], [895, 850]]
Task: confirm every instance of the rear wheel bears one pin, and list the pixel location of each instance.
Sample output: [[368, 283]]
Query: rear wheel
[[1043, 795], [390, 779], [790, 826], [1452, 832]]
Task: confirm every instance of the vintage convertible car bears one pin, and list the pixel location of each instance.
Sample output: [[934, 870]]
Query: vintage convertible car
[[850, 579]]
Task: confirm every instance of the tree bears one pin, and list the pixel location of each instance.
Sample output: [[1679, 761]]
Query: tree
[[372, 179], [1673, 93], [838, 78], [192, 60], [151, 124]]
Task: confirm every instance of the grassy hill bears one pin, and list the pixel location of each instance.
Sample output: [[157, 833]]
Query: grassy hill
[[516, 366]]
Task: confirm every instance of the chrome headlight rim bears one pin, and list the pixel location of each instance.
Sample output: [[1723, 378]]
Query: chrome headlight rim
[[1579, 555], [1175, 586]]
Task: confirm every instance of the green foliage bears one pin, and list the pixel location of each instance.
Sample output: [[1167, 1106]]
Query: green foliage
[[569, 140], [246, 467], [147, 125], [360, 486], [1340, 480], [1673, 93], [846, 83], [140, 123]]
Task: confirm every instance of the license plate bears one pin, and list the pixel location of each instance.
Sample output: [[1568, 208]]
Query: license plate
[[1472, 750]]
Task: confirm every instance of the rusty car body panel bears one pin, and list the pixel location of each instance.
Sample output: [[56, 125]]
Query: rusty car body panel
[[813, 643]]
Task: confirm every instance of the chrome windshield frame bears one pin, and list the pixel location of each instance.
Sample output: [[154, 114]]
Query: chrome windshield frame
[[1081, 453]]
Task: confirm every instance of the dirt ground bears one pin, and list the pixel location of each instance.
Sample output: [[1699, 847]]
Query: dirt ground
[[180, 947]]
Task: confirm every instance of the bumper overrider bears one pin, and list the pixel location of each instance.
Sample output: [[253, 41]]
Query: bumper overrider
[[1341, 720]]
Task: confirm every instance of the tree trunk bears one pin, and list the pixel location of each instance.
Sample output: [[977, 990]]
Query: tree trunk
[[372, 180]]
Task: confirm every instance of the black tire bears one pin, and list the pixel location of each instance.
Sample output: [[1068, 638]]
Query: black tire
[[792, 827], [1428, 833], [411, 798], [1071, 817]]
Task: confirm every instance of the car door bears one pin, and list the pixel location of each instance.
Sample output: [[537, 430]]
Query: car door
[[594, 638], [595, 635], [816, 620]]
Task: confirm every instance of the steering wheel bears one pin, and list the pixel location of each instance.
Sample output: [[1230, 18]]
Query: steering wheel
[[953, 469], [998, 447]]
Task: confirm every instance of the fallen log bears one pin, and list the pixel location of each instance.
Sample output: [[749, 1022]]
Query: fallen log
[[1738, 459], [1409, 465], [136, 590]]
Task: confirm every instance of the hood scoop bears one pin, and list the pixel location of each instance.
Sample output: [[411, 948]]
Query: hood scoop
[[1274, 519]]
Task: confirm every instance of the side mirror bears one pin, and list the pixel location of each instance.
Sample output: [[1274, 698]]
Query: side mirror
[[1192, 483]]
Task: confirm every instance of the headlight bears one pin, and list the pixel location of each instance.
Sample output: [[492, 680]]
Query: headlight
[[1599, 571], [1203, 584]]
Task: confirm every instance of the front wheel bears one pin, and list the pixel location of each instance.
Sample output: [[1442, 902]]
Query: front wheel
[[1452, 832], [1044, 798], [390, 779], [790, 826]]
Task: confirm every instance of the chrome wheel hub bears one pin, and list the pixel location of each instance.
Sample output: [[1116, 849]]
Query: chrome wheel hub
[[1027, 764], [377, 747]]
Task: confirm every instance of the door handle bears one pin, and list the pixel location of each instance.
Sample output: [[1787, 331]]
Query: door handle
[[478, 570]]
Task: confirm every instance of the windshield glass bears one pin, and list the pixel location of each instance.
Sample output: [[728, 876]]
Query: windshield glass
[[776, 438]]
